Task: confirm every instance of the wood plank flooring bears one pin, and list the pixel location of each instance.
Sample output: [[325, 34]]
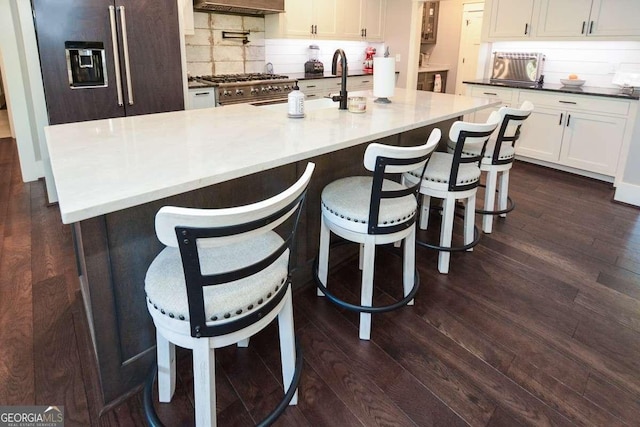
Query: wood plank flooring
[[539, 325]]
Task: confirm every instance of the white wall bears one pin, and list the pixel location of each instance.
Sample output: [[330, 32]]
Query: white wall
[[593, 61], [19, 55], [289, 55]]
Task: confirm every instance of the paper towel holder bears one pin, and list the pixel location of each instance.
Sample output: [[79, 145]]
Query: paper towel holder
[[382, 99]]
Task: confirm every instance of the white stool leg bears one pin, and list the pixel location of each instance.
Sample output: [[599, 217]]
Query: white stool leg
[[244, 343], [424, 213], [446, 231], [287, 344], [489, 200], [409, 261], [469, 220], [166, 368], [204, 383], [323, 255], [360, 256], [366, 297], [503, 192]]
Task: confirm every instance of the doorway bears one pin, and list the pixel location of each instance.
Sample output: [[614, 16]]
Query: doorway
[[5, 126], [469, 44]]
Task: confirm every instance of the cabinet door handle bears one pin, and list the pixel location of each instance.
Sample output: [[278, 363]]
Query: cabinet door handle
[[310, 86], [116, 55], [312, 29], [203, 93], [584, 24], [561, 116], [568, 119], [125, 46], [361, 32], [366, 81], [490, 93], [591, 28], [568, 102], [526, 28], [365, 32]]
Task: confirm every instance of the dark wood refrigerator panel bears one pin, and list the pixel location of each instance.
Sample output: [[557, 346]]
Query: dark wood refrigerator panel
[[153, 38], [56, 22]]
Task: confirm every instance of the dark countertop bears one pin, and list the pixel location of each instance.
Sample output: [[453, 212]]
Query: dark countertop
[[547, 87], [326, 75]]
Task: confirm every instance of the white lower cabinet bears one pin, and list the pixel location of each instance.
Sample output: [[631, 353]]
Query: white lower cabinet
[[592, 142], [541, 134], [202, 98], [580, 132]]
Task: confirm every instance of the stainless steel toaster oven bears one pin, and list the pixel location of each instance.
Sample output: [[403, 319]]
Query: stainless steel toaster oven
[[518, 67]]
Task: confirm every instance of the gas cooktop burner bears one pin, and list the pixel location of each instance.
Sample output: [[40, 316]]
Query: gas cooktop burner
[[231, 78]]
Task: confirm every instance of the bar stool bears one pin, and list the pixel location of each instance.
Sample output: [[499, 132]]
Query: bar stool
[[223, 277], [451, 177], [497, 161], [374, 211]]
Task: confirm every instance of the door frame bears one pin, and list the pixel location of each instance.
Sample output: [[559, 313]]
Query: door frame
[[469, 6]]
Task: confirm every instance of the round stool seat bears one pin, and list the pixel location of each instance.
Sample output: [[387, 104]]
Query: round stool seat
[[346, 203], [167, 292], [439, 170], [507, 152]]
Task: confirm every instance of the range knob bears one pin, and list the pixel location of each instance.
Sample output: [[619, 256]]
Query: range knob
[[239, 92], [226, 93], [270, 88], [286, 87], [254, 91], [277, 88], [264, 89]]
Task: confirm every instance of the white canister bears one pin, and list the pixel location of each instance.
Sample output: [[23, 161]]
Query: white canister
[[295, 103]]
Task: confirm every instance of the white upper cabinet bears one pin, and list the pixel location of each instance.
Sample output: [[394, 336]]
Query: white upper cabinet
[[614, 18], [374, 17], [589, 18], [510, 19], [350, 17], [562, 20], [329, 19]]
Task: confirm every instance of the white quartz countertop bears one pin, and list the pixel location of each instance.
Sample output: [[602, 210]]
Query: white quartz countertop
[[107, 165]]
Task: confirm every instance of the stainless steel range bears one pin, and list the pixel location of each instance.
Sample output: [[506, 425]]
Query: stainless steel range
[[256, 89]]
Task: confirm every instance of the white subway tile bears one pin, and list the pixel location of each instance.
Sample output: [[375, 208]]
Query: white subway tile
[[198, 53], [228, 53], [220, 21], [224, 67], [254, 53], [201, 20], [200, 68], [201, 37], [256, 38], [253, 23]]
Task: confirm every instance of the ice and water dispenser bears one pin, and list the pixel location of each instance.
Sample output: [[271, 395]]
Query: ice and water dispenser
[[86, 64]]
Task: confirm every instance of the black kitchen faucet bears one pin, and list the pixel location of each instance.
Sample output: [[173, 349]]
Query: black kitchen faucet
[[343, 87]]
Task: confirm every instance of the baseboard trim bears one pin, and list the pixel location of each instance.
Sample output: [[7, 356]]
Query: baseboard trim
[[627, 193]]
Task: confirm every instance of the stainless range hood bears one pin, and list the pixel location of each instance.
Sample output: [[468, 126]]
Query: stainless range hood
[[240, 7]]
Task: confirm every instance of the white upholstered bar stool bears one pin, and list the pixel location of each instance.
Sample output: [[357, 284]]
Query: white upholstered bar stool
[[497, 162], [223, 277], [451, 177], [374, 210]]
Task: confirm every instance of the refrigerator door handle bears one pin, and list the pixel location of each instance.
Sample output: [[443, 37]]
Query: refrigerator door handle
[[125, 46], [116, 56]]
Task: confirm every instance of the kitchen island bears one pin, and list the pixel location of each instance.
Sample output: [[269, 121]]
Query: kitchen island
[[113, 175]]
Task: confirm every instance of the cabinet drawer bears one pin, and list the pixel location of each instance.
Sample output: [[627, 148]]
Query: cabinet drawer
[[505, 95], [575, 102]]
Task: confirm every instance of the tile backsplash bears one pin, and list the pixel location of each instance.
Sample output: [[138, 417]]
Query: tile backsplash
[[208, 52], [596, 62]]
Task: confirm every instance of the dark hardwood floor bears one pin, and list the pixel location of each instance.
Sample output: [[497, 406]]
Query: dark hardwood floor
[[539, 325]]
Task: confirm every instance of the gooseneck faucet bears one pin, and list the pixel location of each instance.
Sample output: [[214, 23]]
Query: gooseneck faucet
[[343, 87]]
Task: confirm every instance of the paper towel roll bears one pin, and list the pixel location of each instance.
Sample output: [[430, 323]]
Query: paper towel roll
[[384, 76]]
